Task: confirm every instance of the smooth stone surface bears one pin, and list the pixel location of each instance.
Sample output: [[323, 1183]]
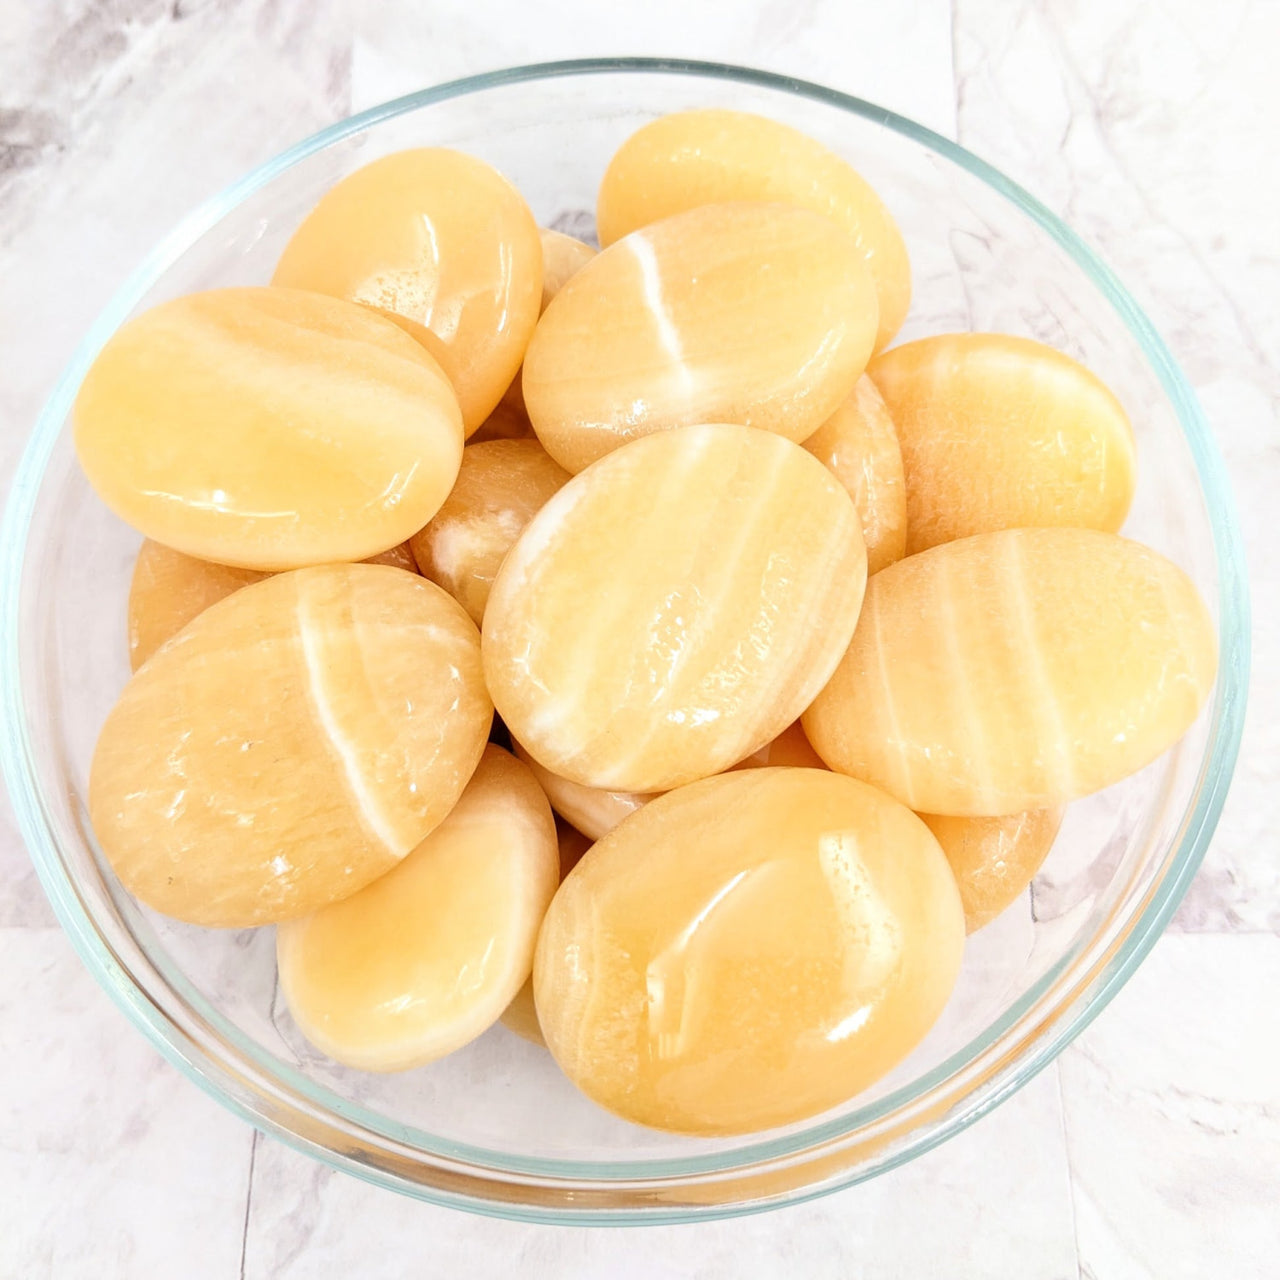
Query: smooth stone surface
[[994, 859], [748, 951], [168, 589], [293, 743], [444, 242], [1016, 670], [674, 607], [268, 428], [692, 158], [427, 957], [999, 432], [858, 444], [596, 811], [763, 315], [501, 486]]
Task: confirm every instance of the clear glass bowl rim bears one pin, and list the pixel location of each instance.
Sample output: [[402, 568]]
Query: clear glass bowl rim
[[1092, 993]]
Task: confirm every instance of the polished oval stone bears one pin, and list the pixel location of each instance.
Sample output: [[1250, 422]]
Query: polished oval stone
[[757, 314], [1016, 670], [709, 156], [859, 445], [596, 812], [268, 428], [501, 486], [290, 744], [442, 240], [994, 859], [168, 589], [748, 951], [998, 432], [427, 957], [674, 607], [562, 257]]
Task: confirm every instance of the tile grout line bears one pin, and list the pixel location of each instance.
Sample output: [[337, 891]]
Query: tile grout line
[[1071, 1176], [248, 1200]]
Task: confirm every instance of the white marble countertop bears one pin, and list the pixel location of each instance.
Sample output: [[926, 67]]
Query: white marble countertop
[[1152, 1147]]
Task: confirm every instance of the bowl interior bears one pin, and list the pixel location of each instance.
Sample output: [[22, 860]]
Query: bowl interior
[[982, 260]]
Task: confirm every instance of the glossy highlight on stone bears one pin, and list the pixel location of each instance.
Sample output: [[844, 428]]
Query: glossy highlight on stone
[[289, 745], [710, 156], [501, 486], [427, 957], [757, 314], [859, 446], [168, 589], [268, 428], [521, 1015], [674, 607], [748, 951], [442, 240], [1016, 670], [994, 859], [999, 432]]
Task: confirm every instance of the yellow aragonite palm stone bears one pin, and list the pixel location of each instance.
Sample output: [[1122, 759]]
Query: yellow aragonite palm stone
[[427, 957], [710, 156], [998, 432], [290, 744], [1016, 670], [674, 607], [994, 859], [501, 486], [443, 240], [169, 588], [757, 314], [859, 445], [748, 951], [521, 1015], [268, 428]]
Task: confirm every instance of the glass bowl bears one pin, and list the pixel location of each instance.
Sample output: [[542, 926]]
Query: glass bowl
[[495, 1128]]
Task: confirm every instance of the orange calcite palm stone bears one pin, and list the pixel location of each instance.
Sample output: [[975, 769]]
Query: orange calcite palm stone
[[290, 744], [597, 812], [994, 859], [268, 428], [674, 607], [169, 589], [562, 257], [521, 1015], [998, 432], [859, 445], [1016, 670], [592, 810], [762, 315], [748, 951], [693, 158], [442, 240], [501, 486], [427, 957]]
